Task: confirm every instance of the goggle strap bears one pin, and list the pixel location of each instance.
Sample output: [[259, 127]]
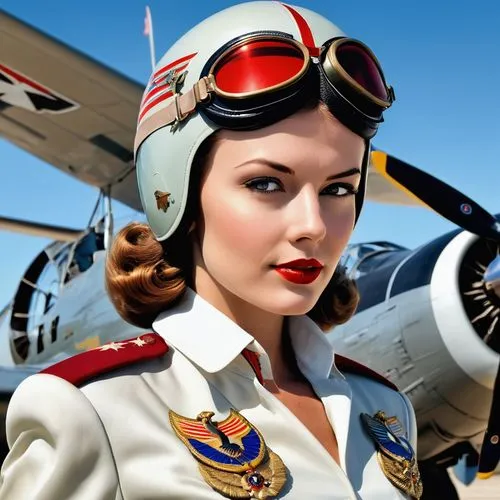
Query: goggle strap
[[178, 110]]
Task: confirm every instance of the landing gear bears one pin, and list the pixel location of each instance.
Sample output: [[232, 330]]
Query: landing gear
[[437, 482]]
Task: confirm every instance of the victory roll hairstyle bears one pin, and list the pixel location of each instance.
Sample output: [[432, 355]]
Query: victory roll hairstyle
[[145, 277]]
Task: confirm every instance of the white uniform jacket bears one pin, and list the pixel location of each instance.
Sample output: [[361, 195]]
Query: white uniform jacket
[[111, 438]]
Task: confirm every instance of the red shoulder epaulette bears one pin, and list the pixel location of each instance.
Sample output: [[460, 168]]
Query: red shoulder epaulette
[[86, 365], [350, 366]]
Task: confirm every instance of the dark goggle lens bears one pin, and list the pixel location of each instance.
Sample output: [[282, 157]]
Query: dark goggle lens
[[361, 67], [258, 65]]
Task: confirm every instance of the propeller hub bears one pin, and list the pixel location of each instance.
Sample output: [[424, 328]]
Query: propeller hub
[[492, 276]]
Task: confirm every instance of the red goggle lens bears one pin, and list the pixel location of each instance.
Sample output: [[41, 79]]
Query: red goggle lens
[[361, 67], [258, 65]]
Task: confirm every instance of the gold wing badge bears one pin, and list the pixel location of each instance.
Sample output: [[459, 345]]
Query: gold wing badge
[[232, 455], [395, 454]]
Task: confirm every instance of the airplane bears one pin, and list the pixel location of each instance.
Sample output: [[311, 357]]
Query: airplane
[[427, 319]]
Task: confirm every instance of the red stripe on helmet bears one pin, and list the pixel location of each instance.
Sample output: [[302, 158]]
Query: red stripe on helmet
[[305, 31], [161, 88], [172, 64], [154, 102]]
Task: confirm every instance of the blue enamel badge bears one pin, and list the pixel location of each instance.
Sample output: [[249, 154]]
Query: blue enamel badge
[[232, 455], [394, 452]]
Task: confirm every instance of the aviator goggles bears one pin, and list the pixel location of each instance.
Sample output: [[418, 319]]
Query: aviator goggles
[[260, 78]]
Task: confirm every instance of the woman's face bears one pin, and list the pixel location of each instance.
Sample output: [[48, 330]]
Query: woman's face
[[277, 210]]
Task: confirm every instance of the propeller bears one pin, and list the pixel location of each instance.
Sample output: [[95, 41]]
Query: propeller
[[490, 449], [467, 214], [439, 196], [57, 233]]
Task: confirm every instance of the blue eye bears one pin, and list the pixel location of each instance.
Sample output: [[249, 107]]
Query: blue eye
[[264, 185], [339, 190]]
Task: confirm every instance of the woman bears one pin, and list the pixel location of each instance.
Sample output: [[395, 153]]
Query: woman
[[251, 151]]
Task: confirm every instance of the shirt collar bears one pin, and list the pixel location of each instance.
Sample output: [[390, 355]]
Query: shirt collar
[[202, 333], [212, 341], [315, 354]]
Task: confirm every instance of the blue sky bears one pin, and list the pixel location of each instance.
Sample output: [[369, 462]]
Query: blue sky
[[441, 60]]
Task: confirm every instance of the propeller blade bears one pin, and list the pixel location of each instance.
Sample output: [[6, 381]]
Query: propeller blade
[[44, 230], [439, 196], [490, 450]]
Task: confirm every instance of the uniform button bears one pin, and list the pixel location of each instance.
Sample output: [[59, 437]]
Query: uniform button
[[149, 339]]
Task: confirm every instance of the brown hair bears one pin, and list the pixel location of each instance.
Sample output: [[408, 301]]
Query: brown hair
[[145, 277]]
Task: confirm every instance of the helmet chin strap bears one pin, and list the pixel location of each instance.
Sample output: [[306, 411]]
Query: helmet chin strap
[[182, 106]]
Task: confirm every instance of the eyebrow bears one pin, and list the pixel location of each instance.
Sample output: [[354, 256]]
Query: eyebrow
[[287, 170]]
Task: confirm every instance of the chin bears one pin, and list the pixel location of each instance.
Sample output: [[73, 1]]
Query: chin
[[291, 303]]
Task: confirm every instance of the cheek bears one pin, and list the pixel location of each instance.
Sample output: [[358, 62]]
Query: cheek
[[340, 225], [234, 226]]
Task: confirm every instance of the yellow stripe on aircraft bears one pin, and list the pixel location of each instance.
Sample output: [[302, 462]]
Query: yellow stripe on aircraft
[[379, 163], [88, 344]]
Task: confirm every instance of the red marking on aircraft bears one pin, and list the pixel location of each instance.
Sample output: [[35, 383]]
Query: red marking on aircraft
[[20, 91]]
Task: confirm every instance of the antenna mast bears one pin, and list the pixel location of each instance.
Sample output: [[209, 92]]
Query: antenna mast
[[148, 31]]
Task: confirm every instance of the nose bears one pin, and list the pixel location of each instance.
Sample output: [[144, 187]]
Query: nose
[[306, 218]]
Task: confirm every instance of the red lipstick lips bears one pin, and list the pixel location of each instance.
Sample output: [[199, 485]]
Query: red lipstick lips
[[300, 271]]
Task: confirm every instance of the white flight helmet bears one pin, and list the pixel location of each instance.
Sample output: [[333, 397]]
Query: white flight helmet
[[173, 120]]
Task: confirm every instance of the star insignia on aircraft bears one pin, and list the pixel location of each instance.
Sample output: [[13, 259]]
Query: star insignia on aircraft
[[115, 346], [20, 91]]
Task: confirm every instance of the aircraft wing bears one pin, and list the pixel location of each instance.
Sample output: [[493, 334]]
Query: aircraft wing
[[79, 115], [68, 109]]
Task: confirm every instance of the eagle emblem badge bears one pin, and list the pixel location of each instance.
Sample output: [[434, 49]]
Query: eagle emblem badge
[[232, 455], [394, 453], [163, 200]]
